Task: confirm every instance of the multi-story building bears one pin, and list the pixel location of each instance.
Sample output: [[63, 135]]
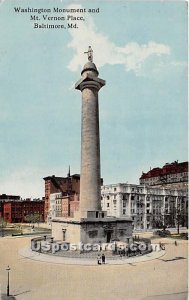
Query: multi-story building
[[174, 174], [63, 206], [53, 205], [67, 186], [18, 211], [149, 207], [1, 209], [62, 196], [5, 198]]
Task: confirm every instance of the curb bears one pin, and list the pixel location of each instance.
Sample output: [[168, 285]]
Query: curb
[[29, 254]]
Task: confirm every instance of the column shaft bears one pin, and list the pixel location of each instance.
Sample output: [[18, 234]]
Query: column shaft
[[90, 152]]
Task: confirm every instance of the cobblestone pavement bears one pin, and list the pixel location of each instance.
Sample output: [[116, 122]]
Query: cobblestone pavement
[[159, 279]]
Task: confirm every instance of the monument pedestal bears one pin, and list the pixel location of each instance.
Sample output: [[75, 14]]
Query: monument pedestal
[[100, 229]]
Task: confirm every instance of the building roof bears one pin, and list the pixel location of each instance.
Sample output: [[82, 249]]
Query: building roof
[[9, 197], [172, 168], [62, 178]]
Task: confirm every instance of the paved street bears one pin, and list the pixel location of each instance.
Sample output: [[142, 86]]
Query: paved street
[[161, 279]]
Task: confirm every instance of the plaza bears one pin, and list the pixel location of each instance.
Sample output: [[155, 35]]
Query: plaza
[[162, 278]]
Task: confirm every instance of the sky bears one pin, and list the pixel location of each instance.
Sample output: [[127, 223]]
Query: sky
[[140, 49]]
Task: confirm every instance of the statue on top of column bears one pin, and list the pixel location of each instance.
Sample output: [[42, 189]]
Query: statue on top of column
[[90, 54]]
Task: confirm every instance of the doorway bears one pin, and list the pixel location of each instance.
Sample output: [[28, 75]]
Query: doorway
[[108, 236]]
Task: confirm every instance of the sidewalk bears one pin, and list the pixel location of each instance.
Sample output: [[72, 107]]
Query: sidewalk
[[29, 254]]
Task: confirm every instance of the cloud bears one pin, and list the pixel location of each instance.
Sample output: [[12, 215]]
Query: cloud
[[1, 2], [131, 55], [136, 55]]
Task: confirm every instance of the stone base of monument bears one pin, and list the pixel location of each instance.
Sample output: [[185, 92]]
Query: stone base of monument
[[95, 228]]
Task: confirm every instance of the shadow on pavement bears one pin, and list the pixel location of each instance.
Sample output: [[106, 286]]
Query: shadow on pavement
[[21, 293], [173, 259], [175, 296]]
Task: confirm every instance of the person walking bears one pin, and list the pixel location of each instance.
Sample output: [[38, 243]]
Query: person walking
[[99, 259], [160, 245], [103, 259], [175, 243]]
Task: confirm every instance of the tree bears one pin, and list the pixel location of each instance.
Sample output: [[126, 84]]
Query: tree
[[29, 219], [3, 225], [34, 218], [178, 218], [37, 218], [180, 214]]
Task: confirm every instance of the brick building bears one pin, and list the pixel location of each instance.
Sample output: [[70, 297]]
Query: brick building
[[6, 198], [63, 206], [67, 186], [1, 209], [62, 196], [174, 174], [17, 211]]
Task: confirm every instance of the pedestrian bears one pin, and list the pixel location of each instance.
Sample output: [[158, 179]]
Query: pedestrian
[[103, 258], [99, 259], [160, 245], [175, 243], [120, 251]]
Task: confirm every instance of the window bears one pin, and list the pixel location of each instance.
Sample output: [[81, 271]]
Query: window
[[124, 211], [124, 203], [108, 204], [93, 233], [114, 189]]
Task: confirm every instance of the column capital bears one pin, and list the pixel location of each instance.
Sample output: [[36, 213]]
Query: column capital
[[89, 80], [89, 84]]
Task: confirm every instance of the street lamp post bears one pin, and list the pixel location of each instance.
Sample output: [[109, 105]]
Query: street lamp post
[[8, 269]]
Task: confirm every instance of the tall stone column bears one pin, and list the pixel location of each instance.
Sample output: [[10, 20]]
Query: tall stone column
[[90, 186]]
